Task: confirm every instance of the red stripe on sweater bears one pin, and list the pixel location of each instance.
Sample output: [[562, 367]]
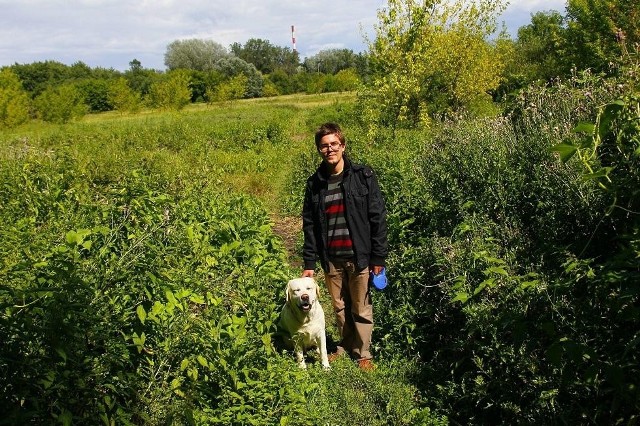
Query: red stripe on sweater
[[340, 243], [335, 209]]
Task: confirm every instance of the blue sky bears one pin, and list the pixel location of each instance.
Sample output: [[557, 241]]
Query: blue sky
[[110, 33]]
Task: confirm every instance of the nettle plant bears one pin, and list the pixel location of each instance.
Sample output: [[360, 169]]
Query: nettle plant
[[599, 346]]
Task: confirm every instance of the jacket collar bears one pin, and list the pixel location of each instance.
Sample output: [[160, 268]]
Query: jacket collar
[[323, 174]]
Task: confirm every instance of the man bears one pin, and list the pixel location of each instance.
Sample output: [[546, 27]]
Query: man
[[344, 224]]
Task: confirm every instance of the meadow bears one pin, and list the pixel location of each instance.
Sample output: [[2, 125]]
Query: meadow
[[141, 275], [143, 260]]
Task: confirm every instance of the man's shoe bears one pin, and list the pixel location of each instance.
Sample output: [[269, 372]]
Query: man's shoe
[[366, 365]]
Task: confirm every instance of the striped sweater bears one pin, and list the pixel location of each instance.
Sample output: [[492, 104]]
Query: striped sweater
[[339, 241]]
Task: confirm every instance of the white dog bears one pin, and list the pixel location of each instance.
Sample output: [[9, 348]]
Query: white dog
[[302, 323]]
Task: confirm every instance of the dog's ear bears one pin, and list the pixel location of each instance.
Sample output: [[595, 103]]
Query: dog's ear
[[287, 296], [317, 290]]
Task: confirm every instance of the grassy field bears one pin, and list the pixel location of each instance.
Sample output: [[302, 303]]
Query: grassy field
[[144, 259]]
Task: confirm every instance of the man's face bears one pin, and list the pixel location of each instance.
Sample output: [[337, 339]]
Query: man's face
[[331, 150]]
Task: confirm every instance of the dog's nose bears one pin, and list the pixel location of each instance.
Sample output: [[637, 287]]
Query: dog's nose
[[305, 297]]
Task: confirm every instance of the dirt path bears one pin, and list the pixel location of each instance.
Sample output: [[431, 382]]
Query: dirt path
[[289, 228]]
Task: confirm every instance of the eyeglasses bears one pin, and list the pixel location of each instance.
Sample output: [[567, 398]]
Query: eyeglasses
[[333, 145]]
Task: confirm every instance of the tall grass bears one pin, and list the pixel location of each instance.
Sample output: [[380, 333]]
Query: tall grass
[[141, 277]]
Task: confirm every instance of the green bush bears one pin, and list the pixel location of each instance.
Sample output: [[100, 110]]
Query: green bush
[[171, 92], [96, 94], [122, 97], [496, 267], [14, 101], [139, 287], [111, 321], [60, 104]]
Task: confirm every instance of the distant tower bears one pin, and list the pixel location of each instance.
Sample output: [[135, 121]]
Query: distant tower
[[293, 38]]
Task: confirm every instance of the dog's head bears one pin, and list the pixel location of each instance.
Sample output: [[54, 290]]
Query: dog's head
[[302, 293]]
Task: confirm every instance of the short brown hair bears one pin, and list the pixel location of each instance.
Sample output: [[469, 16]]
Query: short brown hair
[[329, 129]]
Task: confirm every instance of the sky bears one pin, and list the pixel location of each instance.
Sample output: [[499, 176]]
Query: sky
[[111, 33]]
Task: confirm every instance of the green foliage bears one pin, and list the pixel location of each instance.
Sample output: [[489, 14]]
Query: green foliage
[[140, 287], [419, 71], [269, 89], [344, 81], [194, 54], [140, 79], [60, 104], [232, 89], [609, 153], [332, 61], [96, 94], [266, 57], [233, 67], [171, 92], [38, 76], [281, 81], [14, 101], [542, 48], [515, 270], [132, 299], [122, 97], [602, 32]]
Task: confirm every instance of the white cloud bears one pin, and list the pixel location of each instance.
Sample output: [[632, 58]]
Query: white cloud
[[110, 33]]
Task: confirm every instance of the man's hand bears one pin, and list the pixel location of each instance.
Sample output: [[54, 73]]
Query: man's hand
[[308, 273], [376, 269]]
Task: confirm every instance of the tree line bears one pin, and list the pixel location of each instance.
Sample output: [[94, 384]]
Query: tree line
[[197, 71], [427, 60]]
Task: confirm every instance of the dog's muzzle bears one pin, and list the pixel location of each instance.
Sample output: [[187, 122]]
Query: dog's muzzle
[[305, 305]]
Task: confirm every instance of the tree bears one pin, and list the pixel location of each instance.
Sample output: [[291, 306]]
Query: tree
[[346, 80], [194, 54], [542, 47], [79, 70], [172, 91], [139, 78], [232, 67], [261, 53], [60, 104], [14, 101], [122, 97], [269, 89], [266, 57], [331, 61], [283, 82], [230, 90], [38, 76], [96, 94], [602, 31], [419, 68]]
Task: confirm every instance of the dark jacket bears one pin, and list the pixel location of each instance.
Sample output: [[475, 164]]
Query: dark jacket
[[365, 214]]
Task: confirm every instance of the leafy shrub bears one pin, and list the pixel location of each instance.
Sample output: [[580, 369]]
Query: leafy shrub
[[96, 94], [596, 341], [233, 88], [60, 104], [138, 288], [14, 101], [482, 218], [171, 92], [122, 97], [107, 311]]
